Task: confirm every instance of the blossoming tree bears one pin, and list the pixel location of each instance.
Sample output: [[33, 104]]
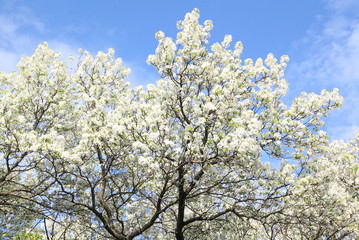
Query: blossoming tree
[[84, 156]]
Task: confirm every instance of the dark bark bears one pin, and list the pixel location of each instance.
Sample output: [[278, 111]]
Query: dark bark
[[181, 205]]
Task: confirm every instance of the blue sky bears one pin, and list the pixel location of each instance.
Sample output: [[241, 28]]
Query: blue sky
[[321, 37]]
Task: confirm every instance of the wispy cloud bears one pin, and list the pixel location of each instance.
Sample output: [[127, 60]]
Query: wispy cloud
[[330, 58], [12, 43], [340, 6], [20, 33]]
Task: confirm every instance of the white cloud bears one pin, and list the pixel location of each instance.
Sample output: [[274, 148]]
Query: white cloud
[[343, 5], [14, 42], [20, 34], [335, 54], [141, 74], [8, 60], [330, 58]]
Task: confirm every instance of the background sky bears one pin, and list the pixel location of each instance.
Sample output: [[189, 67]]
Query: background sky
[[321, 38]]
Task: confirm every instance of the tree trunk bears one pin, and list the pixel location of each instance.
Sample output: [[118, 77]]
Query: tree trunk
[[181, 205]]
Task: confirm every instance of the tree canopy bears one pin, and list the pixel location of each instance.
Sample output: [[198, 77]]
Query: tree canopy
[[85, 156]]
